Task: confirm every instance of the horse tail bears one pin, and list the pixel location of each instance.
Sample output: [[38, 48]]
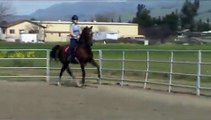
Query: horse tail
[[54, 52]]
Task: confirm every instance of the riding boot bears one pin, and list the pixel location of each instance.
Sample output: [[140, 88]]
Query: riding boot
[[69, 58], [72, 59], [70, 54]]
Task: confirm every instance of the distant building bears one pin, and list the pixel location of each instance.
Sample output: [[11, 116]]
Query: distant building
[[105, 35], [59, 30], [12, 31]]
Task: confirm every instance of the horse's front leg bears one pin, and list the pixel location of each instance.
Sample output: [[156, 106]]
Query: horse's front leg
[[61, 73], [83, 73], [71, 74], [98, 69]]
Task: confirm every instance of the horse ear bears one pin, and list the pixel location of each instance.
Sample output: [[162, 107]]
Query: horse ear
[[91, 27]]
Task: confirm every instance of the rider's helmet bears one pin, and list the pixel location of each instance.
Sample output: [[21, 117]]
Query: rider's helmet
[[74, 17]]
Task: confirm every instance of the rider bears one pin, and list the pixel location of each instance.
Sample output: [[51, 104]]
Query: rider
[[75, 32]]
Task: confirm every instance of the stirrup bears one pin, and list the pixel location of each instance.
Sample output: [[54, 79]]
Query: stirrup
[[69, 58], [74, 60]]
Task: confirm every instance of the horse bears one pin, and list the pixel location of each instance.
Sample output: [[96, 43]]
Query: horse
[[82, 52]]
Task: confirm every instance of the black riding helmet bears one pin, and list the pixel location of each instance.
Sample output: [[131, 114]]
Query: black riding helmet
[[74, 17]]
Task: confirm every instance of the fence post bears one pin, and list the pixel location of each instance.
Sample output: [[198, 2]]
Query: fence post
[[147, 70], [123, 68], [198, 81], [171, 70], [48, 66], [100, 64]]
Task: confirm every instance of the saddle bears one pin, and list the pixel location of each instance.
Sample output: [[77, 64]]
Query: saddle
[[66, 51]]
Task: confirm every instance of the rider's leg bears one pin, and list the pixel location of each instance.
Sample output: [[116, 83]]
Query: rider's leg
[[73, 43]]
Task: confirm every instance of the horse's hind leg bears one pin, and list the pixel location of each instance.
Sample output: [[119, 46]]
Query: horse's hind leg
[[69, 71], [83, 73], [61, 73]]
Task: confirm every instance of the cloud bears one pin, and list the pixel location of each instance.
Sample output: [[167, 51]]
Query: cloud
[[74, 0], [86, 0]]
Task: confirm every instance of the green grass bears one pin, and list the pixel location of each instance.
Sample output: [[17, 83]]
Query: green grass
[[167, 46]]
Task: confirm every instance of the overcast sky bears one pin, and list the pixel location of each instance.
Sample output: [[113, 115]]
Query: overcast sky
[[25, 7]]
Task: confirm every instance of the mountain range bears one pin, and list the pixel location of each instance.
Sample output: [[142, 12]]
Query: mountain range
[[126, 10]]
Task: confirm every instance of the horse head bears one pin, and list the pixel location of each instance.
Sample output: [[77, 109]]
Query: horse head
[[86, 36]]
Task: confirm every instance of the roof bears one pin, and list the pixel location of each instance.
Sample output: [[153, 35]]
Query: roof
[[6, 24], [207, 31], [85, 23], [134, 36]]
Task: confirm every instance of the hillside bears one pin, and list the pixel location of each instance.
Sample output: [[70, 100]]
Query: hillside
[[203, 13], [126, 10]]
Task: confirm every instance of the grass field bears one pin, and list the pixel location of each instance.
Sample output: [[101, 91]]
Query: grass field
[[167, 46]]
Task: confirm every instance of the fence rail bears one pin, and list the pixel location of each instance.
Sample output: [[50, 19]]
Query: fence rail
[[8, 57], [170, 68]]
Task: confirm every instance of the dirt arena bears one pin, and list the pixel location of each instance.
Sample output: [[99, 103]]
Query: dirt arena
[[41, 101]]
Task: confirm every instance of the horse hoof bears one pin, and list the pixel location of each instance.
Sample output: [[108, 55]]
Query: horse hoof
[[59, 84], [78, 85], [83, 86]]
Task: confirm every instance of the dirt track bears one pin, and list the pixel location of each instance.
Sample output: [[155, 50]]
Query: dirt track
[[40, 101]]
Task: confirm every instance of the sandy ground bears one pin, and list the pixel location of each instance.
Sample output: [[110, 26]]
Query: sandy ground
[[41, 101]]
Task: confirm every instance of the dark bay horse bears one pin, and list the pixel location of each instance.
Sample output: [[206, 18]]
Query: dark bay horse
[[83, 53]]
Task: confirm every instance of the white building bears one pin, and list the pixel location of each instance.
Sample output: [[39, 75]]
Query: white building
[[105, 35]]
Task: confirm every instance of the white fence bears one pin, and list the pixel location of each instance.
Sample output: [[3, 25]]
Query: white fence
[[169, 68], [13, 61]]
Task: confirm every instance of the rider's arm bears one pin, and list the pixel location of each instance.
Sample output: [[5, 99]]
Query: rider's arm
[[79, 30], [71, 33]]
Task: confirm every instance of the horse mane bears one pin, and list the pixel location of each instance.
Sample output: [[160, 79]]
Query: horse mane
[[84, 37]]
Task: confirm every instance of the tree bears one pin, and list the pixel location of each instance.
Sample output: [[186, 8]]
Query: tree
[[202, 26], [120, 19], [197, 3], [33, 19], [112, 20], [172, 21], [188, 12], [143, 18], [103, 28], [5, 10], [104, 17], [158, 34], [33, 28]]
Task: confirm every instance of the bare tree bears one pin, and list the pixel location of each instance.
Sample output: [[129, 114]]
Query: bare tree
[[35, 29], [5, 10], [102, 28], [32, 28], [104, 17]]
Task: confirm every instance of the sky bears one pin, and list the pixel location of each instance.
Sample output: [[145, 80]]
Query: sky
[[26, 7]]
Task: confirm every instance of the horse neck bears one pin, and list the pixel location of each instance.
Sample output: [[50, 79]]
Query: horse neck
[[82, 41]]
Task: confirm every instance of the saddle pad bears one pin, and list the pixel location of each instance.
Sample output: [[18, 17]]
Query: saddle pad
[[66, 49]]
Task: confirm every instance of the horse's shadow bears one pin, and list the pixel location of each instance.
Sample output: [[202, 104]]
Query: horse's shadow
[[72, 83]]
